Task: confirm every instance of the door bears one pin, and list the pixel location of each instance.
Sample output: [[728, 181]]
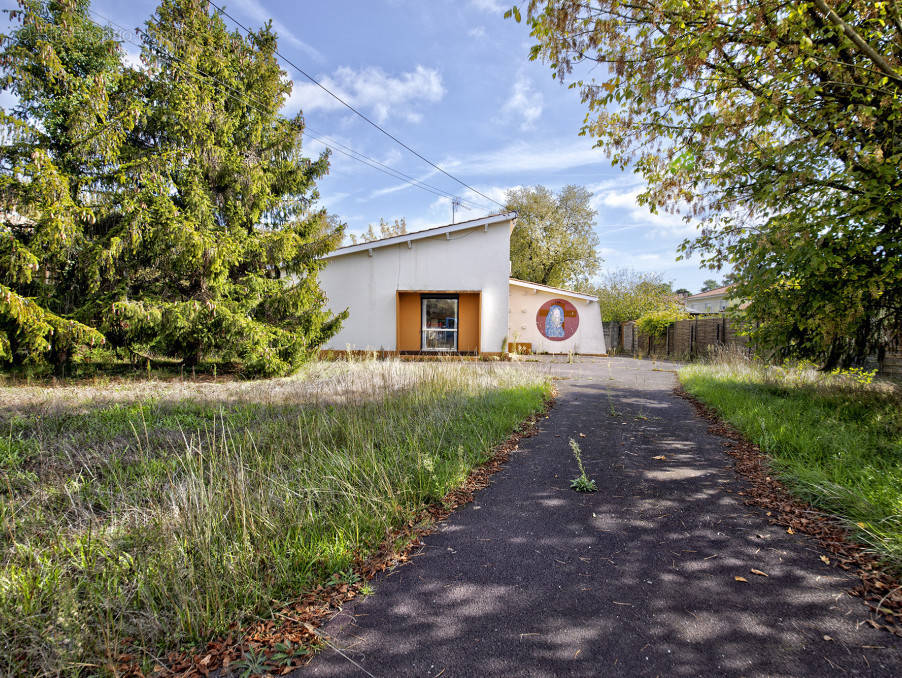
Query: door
[[439, 322]]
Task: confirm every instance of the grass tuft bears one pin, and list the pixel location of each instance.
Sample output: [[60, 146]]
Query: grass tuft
[[144, 517]]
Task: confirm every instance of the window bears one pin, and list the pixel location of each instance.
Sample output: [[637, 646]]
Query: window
[[439, 317]]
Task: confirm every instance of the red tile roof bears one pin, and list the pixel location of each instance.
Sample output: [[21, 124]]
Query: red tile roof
[[717, 291]]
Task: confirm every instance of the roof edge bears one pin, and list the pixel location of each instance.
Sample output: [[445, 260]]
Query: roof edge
[[710, 293], [419, 235], [549, 288]]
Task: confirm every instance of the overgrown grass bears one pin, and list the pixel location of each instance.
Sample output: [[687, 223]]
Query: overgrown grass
[[151, 516], [834, 439]]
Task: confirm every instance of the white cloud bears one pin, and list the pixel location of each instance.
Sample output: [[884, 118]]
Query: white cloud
[[494, 6], [260, 14], [519, 157], [611, 196], [373, 89], [524, 101], [401, 186], [626, 198], [477, 32], [660, 261]]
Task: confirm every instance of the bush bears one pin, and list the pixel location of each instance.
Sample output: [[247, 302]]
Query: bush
[[655, 323]]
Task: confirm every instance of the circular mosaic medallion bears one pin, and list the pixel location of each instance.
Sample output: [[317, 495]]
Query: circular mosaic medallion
[[557, 319]]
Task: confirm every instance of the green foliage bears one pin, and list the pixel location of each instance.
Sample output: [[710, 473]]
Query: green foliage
[[582, 483], [709, 284], [835, 439], [164, 209], [625, 295], [57, 146], [554, 241], [778, 127], [655, 323], [857, 374]]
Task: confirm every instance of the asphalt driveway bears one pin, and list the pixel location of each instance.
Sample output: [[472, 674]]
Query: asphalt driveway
[[534, 579]]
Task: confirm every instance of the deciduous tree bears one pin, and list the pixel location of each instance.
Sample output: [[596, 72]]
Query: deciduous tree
[[554, 241], [777, 125], [386, 230], [625, 295]]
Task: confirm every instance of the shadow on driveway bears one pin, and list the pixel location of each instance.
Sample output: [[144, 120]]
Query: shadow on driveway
[[534, 579]]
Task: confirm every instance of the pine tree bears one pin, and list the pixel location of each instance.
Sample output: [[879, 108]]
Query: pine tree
[[57, 146], [183, 224]]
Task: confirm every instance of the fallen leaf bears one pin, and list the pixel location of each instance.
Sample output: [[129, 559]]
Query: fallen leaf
[[827, 638], [759, 572], [826, 560], [789, 530], [582, 435], [660, 456], [741, 579]]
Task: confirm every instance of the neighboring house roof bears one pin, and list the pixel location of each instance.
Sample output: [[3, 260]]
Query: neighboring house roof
[[419, 235], [548, 288], [716, 292]]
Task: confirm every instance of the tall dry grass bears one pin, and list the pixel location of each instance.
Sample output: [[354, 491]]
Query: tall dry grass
[[145, 516]]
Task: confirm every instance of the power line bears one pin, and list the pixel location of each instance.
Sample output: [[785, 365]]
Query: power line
[[324, 140], [354, 110]]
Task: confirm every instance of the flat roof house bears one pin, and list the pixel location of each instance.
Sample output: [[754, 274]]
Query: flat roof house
[[448, 290]]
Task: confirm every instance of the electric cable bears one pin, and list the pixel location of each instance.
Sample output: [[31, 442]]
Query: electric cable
[[354, 110], [308, 131]]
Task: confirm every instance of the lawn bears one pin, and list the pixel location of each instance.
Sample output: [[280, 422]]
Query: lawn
[[148, 516], [835, 440]]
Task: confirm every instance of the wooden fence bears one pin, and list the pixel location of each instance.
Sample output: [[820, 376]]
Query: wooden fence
[[686, 339], [683, 339], [892, 360]]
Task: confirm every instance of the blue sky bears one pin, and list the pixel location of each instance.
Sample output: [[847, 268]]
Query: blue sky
[[452, 79]]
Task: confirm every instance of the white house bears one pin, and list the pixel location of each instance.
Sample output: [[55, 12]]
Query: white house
[[712, 301], [448, 290]]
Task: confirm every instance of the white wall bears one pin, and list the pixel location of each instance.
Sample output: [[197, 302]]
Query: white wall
[[522, 328], [708, 304], [472, 259], [525, 304]]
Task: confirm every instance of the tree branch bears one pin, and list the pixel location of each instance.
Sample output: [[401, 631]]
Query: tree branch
[[858, 41]]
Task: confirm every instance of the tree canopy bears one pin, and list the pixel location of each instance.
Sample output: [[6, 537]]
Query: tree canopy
[[776, 125], [386, 230], [164, 209], [625, 295], [554, 241]]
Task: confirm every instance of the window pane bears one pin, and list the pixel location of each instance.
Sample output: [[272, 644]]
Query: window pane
[[440, 313], [439, 324]]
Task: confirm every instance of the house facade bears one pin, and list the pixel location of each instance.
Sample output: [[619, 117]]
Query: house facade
[[447, 290], [712, 301]]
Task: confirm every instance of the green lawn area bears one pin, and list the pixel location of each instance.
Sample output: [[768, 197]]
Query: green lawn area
[[162, 512], [835, 440]]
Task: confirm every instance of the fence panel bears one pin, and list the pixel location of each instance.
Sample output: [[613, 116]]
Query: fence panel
[[684, 338], [697, 336]]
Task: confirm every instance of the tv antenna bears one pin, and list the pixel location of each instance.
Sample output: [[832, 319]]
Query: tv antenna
[[456, 203]]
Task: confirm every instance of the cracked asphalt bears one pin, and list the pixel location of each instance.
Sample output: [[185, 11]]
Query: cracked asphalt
[[637, 579]]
